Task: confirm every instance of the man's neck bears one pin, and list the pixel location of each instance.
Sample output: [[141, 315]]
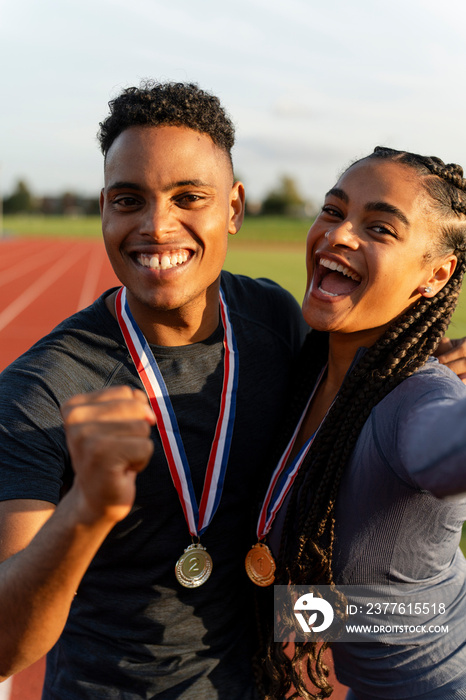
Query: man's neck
[[174, 328]]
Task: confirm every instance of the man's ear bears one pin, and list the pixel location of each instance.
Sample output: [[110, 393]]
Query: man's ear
[[237, 200], [101, 202], [441, 273]]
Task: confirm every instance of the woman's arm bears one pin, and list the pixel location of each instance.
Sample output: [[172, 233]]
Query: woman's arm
[[432, 446]]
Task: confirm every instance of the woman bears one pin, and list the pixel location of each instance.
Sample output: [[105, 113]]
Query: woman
[[377, 498]]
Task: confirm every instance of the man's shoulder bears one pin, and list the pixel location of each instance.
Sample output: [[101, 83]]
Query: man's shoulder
[[84, 344], [235, 284], [259, 298]]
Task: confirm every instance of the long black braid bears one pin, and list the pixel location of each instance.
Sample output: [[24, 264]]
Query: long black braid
[[308, 532]]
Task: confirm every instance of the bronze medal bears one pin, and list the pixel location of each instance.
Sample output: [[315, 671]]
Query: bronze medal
[[260, 565], [194, 566]]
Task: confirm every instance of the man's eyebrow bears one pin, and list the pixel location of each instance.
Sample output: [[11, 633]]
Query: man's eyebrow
[[185, 183], [389, 209], [126, 185], [340, 194]]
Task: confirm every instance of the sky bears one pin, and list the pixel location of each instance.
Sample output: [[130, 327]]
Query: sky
[[309, 85]]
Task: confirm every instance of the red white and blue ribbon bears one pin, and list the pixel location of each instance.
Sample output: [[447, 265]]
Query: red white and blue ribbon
[[197, 519], [283, 476]]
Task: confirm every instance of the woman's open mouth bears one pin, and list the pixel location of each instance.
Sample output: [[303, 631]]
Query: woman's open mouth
[[334, 279]]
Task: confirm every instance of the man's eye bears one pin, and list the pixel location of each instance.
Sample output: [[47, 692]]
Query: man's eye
[[188, 198], [126, 201]]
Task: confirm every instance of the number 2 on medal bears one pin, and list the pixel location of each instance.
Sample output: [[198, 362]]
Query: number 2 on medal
[[194, 565]]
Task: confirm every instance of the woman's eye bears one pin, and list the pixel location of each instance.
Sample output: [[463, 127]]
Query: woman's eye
[[384, 230], [330, 210]]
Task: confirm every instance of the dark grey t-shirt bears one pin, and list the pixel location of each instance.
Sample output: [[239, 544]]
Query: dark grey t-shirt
[[133, 630]]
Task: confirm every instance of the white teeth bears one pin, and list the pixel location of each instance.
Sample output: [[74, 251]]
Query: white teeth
[[163, 261], [329, 294], [332, 265]]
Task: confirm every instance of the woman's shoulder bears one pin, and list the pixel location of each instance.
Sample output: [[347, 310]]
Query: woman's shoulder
[[420, 425], [431, 383], [417, 400]]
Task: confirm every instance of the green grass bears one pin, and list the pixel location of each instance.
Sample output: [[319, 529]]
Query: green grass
[[283, 263], [61, 226], [276, 229]]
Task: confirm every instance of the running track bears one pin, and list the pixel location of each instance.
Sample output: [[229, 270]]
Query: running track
[[42, 281]]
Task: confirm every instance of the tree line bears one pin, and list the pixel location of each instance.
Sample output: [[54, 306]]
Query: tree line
[[23, 201]]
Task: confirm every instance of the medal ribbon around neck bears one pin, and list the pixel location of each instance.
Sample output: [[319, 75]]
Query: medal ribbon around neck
[[284, 477], [197, 519], [260, 563]]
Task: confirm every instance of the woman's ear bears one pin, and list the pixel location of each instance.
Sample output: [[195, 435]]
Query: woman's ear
[[441, 273]]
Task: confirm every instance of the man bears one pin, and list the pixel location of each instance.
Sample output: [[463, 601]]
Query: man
[[94, 531]]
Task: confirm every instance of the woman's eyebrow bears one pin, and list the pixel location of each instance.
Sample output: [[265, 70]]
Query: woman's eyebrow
[[340, 194], [371, 206], [389, 209]]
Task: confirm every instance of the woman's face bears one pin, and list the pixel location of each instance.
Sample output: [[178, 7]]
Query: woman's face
[[367, 251]]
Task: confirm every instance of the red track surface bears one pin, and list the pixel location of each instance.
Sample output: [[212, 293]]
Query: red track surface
[[41, 283]]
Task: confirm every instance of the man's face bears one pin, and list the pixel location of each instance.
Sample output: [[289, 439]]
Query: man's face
[[167, 207]]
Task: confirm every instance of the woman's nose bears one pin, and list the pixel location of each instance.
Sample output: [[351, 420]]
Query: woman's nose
[[342, 235]]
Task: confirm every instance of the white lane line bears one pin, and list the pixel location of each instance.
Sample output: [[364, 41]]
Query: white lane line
[[12, 251], [5, 689], [40, 285], [25, 266], [91, 278]]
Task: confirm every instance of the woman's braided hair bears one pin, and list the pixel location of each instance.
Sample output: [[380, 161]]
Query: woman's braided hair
[[308, 532]]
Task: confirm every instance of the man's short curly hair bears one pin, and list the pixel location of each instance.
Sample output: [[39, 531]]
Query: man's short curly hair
[[159, 104]]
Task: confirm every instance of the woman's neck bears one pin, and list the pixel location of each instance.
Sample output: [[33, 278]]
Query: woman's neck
[[343, 348], [340, 359], [341, 354]]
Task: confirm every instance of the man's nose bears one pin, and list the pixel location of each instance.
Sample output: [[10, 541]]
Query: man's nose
[[158, 220]]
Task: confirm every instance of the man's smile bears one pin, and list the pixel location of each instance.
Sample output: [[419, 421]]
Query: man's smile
[[165, 260]]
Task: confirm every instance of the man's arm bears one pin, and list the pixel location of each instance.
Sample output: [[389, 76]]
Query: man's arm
[[452, 353], [45, 551]]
